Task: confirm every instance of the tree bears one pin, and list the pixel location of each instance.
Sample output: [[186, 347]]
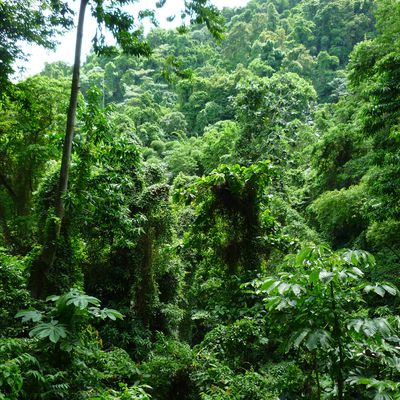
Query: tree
[[173, 124], [272, 17], [237, 47], [325, 68], [124, 29], [218, 143], [230, 238], [32, 21], [29, 124], [317, 309], [271, 111]]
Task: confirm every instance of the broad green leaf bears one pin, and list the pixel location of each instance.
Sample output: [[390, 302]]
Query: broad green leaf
[[368, 288], [273, 286], [379, 290], [326, 276], [272, 302], [303, 255], [383, 326], [360, 380], [390, 289], [343, 275], [357, 271], [383, 396], [314, 276], [357, 257], [110, 313], [300, 338], [29, 315], [371, 260], [370, 327], [283, 287], [355, 324], [296, 289], [317, 339], [81, 300], [52, 330], [282, 304], [393, 362], [267, 284]]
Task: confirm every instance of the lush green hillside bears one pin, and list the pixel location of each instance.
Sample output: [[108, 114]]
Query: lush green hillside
[[235, 198]]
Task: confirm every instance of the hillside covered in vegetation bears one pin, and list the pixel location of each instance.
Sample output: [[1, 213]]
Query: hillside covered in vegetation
[[227, 225]]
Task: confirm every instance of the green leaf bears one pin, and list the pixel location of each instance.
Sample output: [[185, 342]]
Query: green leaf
[[343, 275], [370, 327], [283, 287], [80, 300], [303, 255], [390, 289], [29, 315], [383, 326], [368, 288], [300, 338], [268, 283], [297, 289], [360, 380], [272, 302], [358, 257], [105, 313], [319, 338], [314, 276], [110, 313], [357, 271], [325, 276], [355, 324], [283, 303], [379, 290], [52, 330]]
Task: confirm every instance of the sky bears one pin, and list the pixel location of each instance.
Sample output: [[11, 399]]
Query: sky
[[65, 50]]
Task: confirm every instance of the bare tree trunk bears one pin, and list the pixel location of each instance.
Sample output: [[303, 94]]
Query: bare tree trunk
[[45, 261], [69, 134]]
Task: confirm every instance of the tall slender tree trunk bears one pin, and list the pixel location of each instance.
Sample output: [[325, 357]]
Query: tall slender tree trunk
[[42, 265], [69, 134]]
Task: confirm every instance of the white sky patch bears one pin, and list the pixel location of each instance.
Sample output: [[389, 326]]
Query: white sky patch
[[38, 56]]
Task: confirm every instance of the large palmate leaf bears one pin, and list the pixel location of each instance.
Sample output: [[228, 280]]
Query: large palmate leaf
[[52, 330], [75, 297], [81, 301], [381, 289], [371, 327], [29, 315], [384, 389]]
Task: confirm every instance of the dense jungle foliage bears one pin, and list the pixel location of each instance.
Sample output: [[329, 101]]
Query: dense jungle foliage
[[231, 228]]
